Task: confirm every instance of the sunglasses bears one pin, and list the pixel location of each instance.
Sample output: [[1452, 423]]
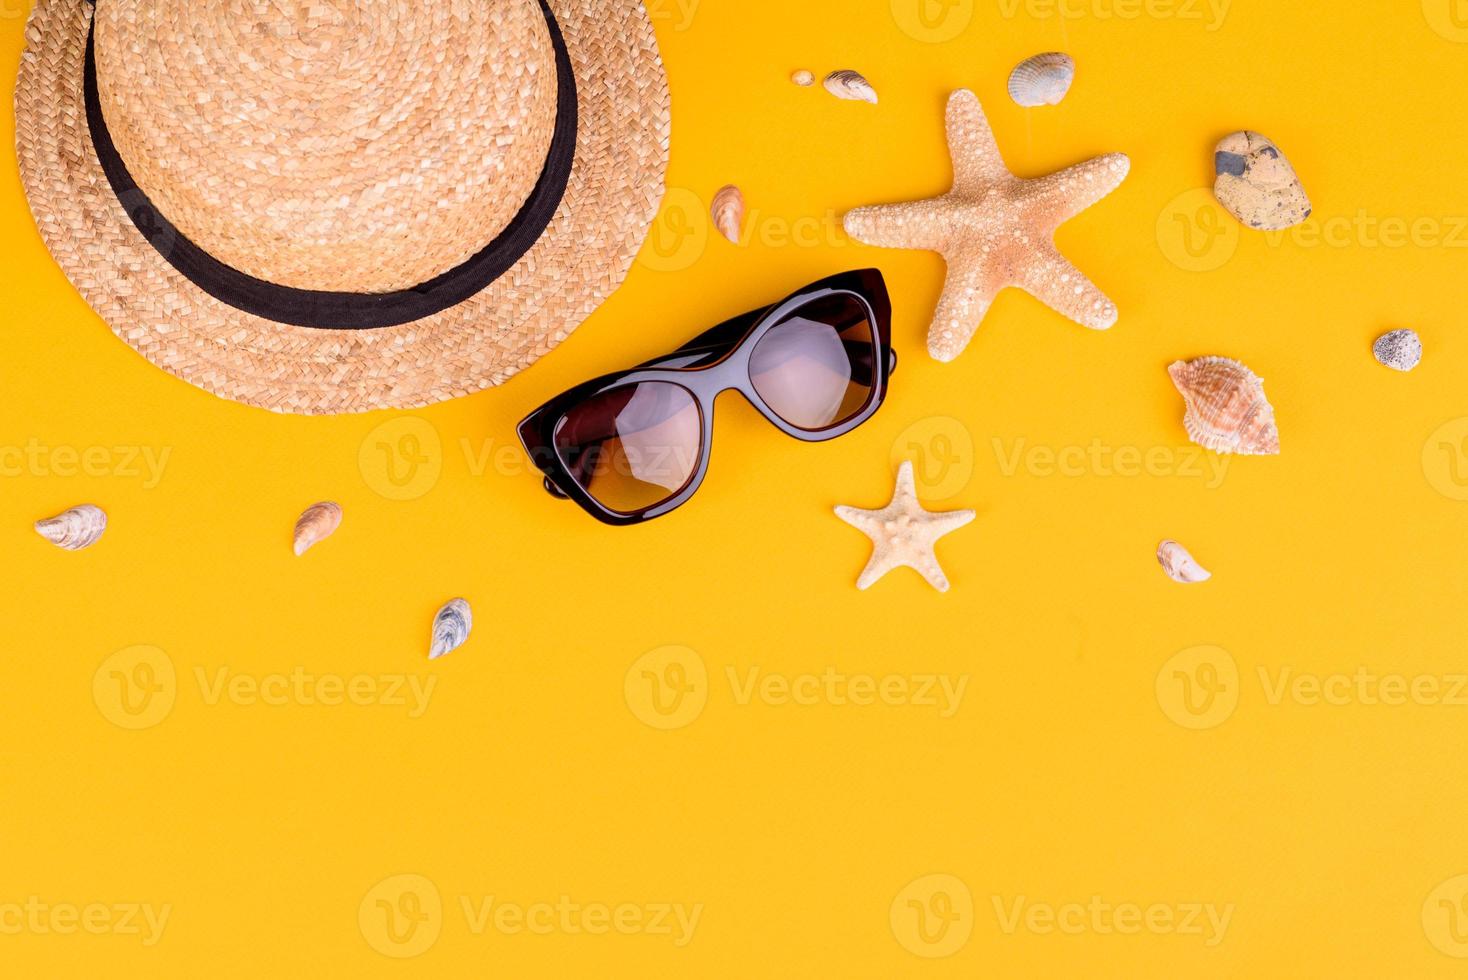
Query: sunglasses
[[632, 446]]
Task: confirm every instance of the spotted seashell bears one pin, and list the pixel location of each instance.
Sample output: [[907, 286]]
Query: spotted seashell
[[1400, 350], [851, 86], [1179, 565], [1042, 80], [1257, 184], [451, 628], [728, 212], [803, 78], [318, 523], [81, 527], [1227, 410]]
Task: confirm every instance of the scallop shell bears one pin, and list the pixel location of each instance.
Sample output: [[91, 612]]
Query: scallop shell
[[318, 523], [851, 86], [1179, 565], [78, 528], [451, 628], [1400, 350], [1227, 410], [728, 212], [1042, 80], [803, 78]]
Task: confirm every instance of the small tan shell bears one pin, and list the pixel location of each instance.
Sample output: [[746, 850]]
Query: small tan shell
[[451, 628], [318, 523], [803, 78], [728, 212], [1256, 184], [1227, 410], [1179, 565], [851, 86], [78, 528], [1044, 79]]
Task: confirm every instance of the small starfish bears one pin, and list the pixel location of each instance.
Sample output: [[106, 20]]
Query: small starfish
[[904, 534], [996, 230]]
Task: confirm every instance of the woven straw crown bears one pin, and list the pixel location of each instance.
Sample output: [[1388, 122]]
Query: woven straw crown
[[333, 145]]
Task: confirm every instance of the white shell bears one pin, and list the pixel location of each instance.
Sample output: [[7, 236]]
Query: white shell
[[1179, 565], [318, 523], [451, 628], [851, 86], [81, 527], [1044, 79], [803, 78], [1400, 350], [728, 212]]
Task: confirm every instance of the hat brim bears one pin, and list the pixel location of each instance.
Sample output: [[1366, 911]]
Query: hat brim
[[615, 188]]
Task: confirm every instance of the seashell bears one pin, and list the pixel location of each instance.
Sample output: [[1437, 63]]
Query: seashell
[[1257, 184], [78, 528], [1042, 80], [728, 212], [450, 628], [803, 78], [1179, 565], [1227, 410], [1400, 350], [318, 523], [851, 86]]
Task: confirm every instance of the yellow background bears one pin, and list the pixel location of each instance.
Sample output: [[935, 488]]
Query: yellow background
[[1073, 766]]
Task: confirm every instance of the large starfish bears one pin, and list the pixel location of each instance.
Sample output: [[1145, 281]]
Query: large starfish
[[996, 230]]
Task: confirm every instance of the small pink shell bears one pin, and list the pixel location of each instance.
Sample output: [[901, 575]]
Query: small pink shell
[[1227, 410]]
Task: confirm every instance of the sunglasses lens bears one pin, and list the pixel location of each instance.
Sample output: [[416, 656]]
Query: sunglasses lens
[[634, 447], [817, 367]]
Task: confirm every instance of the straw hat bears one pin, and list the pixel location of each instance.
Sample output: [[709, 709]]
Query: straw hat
[[323, 206]]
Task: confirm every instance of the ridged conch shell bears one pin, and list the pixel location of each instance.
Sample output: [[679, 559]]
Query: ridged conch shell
[[1400, 350], [728, 212], [81, 527], [1179, 565], [1042, 80], [850, 85], [318, 523], [1227, 410], [803, 78], [451, 628]]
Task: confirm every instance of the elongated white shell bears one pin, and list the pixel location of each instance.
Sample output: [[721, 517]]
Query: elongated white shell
[[451, 628], [851, 86], [728, 212], [1044, 79], [1179, 565], [78, 528], [318, 523]]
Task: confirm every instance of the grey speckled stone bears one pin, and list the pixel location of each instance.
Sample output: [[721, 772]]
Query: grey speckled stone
[[1400, 350], [1257, 184]]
